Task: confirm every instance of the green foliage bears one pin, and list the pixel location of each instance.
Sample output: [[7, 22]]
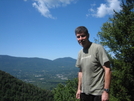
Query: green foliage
[[13, 89], [117, 36], [66, 92]]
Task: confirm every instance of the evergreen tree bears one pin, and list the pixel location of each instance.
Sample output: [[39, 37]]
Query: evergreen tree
[[66, 92], [117, 35]]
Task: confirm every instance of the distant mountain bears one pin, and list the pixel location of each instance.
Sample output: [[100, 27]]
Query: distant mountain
[[13, 89], [43, 73]]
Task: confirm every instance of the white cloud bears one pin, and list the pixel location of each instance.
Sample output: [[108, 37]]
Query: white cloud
[[105, 9], [44, 6], [92, 10]]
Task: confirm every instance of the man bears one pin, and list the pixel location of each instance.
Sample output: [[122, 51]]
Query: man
[[94, 69]]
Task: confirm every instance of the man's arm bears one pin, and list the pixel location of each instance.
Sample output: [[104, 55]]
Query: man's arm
[[107, 78], [79, 84]]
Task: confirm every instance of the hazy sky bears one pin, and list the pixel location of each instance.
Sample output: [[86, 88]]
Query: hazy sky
[[45, 28]]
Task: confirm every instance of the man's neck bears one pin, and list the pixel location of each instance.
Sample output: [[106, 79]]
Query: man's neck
[[88, 45]]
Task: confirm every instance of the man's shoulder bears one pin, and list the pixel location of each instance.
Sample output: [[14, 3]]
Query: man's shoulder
[[81, 51], [95, 45]]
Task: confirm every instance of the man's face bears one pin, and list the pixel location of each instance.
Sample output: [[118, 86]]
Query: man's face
[[82, 39]]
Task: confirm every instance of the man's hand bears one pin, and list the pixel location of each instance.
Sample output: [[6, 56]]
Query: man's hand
[[78, 94], [105, 96]]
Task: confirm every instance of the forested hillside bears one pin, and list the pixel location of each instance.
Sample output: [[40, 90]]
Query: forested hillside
[[13, 89], [43, 73]]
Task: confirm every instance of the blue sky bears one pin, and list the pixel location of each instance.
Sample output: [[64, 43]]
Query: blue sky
[[45, 28]]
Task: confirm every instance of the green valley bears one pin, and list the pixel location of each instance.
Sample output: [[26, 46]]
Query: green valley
[[42, 73]]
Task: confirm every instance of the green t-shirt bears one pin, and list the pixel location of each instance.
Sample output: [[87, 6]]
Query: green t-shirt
[[91, 62]]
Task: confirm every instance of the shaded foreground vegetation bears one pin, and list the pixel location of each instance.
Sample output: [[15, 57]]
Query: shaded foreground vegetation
[[13, 89]]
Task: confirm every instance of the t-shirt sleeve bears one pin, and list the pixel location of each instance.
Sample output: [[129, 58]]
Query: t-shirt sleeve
[[78, 61], [102, 56]]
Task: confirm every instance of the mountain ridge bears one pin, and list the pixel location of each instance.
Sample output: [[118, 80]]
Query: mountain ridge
[[38, 70], [36, 57]]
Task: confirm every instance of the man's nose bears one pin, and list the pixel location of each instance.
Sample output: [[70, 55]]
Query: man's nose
[[81, 38]]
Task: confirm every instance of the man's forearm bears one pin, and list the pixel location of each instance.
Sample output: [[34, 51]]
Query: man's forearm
[[79, 85], [79, 80], [107, 78]]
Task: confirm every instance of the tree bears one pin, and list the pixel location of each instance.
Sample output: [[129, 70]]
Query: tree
[[117, 35], [66, 92]]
